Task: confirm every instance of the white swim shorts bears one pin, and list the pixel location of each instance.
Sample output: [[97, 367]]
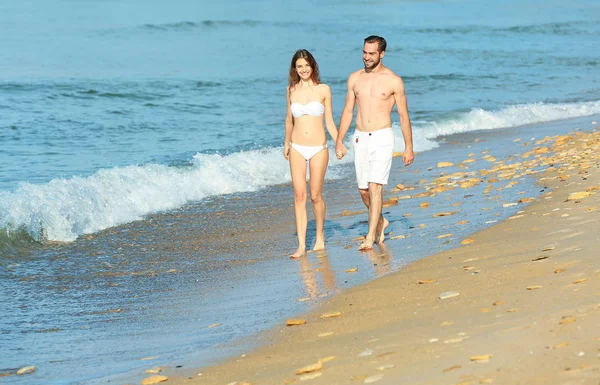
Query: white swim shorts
[[373, 152]]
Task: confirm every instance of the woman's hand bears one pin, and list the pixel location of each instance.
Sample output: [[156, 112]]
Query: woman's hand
[[286, 151], [340, 150]]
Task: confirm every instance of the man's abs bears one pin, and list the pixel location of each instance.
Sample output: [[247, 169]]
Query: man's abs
[[373, 113], [373, 122]]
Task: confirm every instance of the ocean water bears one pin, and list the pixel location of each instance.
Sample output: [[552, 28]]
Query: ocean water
[[116, 116]]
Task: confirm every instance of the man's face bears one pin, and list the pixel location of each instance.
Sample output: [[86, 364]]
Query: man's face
[[304, 69], [371, 55]]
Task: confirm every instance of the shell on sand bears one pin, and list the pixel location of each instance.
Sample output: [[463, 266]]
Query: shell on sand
[[373, 378], [326, 359], [448, 294], [567, 320], [310, 368], [292, 322], [444, 214], [451, 368], [347, 213], [310, 376], [578, 195], [154, 380], [26, 370], [481, 358], [534, 287]]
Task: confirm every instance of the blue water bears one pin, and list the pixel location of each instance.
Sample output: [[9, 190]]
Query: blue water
[[91, 87], [113, 111]]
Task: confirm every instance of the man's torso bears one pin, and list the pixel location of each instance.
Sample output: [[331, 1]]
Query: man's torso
[[374, 93]]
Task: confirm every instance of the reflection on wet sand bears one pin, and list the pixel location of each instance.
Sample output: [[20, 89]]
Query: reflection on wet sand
[[381, 257], [316, 287]]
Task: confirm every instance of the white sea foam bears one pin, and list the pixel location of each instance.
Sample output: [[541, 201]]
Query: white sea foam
[[64, 209], [424, 133]]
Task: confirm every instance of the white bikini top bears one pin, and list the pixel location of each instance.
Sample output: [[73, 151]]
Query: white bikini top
[[311, 109]]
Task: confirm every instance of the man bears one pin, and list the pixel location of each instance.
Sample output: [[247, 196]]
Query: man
[[374, 89]]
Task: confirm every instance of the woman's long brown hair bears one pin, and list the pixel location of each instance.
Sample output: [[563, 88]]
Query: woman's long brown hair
[[294, 78]]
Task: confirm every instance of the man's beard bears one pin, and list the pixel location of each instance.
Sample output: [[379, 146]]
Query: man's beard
[[370, 67]]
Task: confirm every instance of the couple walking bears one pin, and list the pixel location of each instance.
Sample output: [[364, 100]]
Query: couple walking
[[375, 90]]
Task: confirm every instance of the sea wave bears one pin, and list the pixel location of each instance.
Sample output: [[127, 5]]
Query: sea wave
[[65, 209], [564, 28], [425, 133], [576, 27], [185, 25]]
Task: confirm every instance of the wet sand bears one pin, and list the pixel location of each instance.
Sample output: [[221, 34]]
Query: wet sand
[[523, 306]]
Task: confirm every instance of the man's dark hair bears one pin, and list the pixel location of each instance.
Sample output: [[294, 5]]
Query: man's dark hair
[[377, 39]]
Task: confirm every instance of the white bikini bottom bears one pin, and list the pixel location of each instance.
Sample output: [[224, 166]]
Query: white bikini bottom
[[308, 151]]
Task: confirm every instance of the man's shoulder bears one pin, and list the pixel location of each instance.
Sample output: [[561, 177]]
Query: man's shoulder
[[388, 72], [392, 78], [356, 74]]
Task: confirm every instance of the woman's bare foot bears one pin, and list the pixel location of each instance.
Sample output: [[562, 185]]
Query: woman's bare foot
[[299, 253], [386, 223]]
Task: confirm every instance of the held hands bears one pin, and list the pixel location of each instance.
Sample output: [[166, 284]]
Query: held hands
[[286, 151], [408, 157], [340, 150]]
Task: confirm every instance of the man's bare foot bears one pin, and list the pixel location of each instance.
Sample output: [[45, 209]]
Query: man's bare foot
[[386, 223], [319, 244], [366, 245], [299, 253]]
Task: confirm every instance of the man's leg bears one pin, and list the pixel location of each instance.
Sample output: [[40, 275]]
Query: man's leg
[[382, 223], [375, 203]]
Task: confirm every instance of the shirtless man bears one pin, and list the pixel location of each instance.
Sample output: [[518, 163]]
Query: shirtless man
[[374, 89]]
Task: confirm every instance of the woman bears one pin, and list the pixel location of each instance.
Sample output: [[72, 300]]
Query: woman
[[308, 104]]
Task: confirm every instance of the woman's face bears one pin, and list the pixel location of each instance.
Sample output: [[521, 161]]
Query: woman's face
[[303, 68]]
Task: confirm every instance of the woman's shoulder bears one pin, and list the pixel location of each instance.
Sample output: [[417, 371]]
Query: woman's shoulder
[[324, 87]]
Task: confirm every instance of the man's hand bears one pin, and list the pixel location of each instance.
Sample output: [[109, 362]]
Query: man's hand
[[408, 157], [286, 151], [340, 150]]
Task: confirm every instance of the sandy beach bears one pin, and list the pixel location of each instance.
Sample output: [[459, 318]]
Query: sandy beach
[[522, 306]]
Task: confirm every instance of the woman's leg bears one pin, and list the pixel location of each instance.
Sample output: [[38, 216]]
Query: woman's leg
[[318, 167], [298, 171]]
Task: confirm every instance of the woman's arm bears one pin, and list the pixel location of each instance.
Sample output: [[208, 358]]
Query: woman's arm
[[289, 124], [329, 122]]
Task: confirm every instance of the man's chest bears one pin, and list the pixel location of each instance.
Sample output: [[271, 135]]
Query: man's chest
[[373, 88]]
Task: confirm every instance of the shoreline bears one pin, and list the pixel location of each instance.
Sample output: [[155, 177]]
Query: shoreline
[[511, 279]]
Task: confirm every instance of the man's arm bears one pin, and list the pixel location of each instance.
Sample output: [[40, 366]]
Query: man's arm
[[289, 124], [346, 118], [402, 106]]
